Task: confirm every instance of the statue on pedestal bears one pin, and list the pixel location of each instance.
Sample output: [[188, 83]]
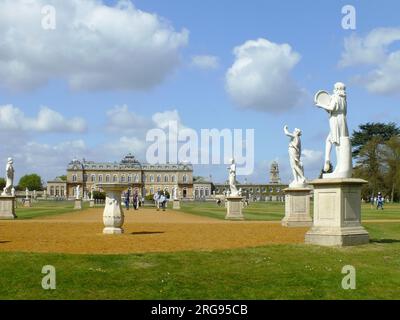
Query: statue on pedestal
[[295, 155], [10, 178], [232, 179], [336, 106], [27, 193], [78, 192]]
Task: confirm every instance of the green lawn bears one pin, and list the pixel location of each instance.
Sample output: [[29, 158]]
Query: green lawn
[[272, 211], [45, 208], [270, 272]]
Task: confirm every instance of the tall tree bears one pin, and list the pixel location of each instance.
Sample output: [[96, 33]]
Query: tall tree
[[391, 159], [2, 184], [30, 181], [382, 131]]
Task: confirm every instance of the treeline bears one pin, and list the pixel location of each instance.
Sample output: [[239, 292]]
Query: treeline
[[30, 181], [376, 151]]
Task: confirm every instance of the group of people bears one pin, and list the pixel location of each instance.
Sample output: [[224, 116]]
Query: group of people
[[160, 200], [136, 200]]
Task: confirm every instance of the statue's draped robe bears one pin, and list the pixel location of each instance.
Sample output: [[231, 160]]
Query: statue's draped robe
[[337, 120]]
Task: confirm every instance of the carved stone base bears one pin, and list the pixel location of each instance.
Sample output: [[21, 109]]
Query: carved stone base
[[7, 207], [113, 215], [337, 213], [27, 203], [78, 204], [91, 203], [176, 204], [234, 208], [112, 230], [297, 207]]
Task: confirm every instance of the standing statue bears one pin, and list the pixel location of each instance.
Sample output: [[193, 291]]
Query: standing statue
[[232, 179], [27, 193], [10, 178], [336, 106], [78, 192], [295, 155], [175, 193]]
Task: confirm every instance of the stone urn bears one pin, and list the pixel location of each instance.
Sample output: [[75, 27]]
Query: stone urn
[[113, 215]]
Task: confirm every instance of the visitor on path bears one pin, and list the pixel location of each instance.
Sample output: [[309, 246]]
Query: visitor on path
[[136, 201], [127, 196], [219, 202], [379, 201], [163, 201], [156, 199]]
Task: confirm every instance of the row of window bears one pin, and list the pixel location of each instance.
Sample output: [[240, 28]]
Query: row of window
[[251, 190], [123, 178], [202, 193], [57, 191]]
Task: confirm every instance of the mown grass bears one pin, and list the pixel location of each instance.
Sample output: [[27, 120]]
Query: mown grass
[[270, 272], [45, 208], [273, 211]]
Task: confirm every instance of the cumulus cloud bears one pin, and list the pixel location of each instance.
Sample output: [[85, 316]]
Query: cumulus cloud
[[205, 62], [47, 120], [120, 118], [260, 77], [374, 52], [94, 46]]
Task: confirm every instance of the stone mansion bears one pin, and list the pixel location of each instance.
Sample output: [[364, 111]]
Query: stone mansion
[[147, 179]]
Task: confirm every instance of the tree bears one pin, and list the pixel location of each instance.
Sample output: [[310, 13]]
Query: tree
[[382, 131], [2, 183], [63, 178], [391, 160], [30, 181]]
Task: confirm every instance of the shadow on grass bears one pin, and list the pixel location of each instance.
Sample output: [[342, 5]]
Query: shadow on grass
[[385, 241], [146, 232], [5, 241]]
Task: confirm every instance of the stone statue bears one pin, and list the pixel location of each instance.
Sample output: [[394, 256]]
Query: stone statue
[[232, 179], [13, 192], [10, 178], [175, 193], [336, 106], [295, 155], [78, 192], [26, 193]]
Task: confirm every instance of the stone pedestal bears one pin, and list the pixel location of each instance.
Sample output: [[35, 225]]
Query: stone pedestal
[[337, 213], [27, 203], [7, 207], [234, 208], [91, 203], [78, 204], [113, 215], [176, 204], [297, 207]]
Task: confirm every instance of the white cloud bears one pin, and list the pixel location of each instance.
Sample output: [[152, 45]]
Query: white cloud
[[94, 46], [205, 62], [373, 51], [260, 77], [47, 120], [121, 119]]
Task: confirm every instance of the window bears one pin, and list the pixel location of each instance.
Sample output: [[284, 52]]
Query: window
[[108, 178], [115, 178], [185, 178], [52, 191], [172, 178], [93, 178], [136, 178], [166, 178], [85, 177], [158, 178], [123, 178], [151, 178], [151, 190], [130, 178], [100, 178], [74, 178]]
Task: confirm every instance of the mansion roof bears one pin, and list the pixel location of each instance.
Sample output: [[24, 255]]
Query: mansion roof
[[128, 162]]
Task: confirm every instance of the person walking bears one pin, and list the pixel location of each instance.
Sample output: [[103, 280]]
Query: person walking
[[163, 200], [127, 196], [379, 201], [136, 201], [156, 199]]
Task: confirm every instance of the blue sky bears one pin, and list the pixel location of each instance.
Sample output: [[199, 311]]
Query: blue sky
[[196, 93]]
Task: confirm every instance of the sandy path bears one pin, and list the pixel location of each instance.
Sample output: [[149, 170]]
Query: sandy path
[[145, 231]]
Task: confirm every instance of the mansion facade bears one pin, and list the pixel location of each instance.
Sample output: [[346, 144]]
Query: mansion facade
[[147, 179], [144, 178]]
